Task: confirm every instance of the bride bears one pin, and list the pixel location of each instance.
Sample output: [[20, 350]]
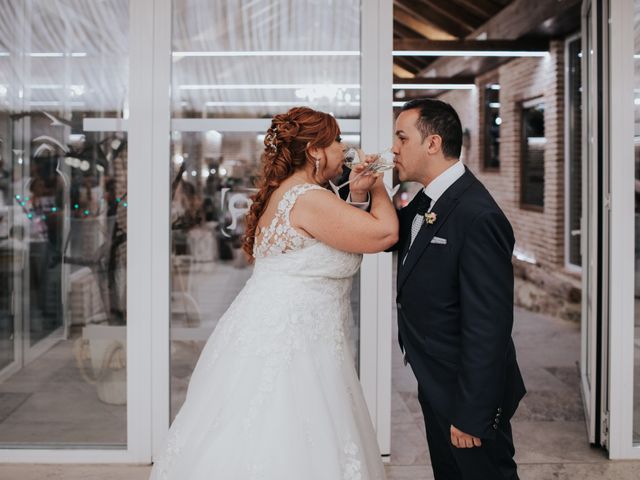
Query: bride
[[275, 395]]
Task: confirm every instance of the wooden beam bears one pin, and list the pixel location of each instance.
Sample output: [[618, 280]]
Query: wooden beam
[[399, 72], [522, 16], [413, 64], [421, 12], [404, 32], [514, 21], [482, 8], [522, 45], [423, 27], [434, 80], [406, 65], [461, 16]]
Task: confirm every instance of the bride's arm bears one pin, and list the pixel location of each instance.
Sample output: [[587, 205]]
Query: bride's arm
[[331, 220]]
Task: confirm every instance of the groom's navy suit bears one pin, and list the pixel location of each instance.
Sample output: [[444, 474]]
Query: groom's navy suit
[[455, 316]]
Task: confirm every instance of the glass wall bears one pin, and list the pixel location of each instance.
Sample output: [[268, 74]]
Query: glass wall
[[235, 65], [533, 147], [574, 150], [492, 122], [63, 201]]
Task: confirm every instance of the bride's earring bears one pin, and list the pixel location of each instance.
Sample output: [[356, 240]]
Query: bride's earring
[[317, 166]]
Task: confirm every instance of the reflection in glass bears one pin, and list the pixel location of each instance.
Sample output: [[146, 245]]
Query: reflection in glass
[[574, 94], [492, 122], [63, 190], [533, 147], [224, 102]]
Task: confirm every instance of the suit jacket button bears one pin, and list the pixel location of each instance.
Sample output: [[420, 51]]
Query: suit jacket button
[[495, 426], [399, 306]]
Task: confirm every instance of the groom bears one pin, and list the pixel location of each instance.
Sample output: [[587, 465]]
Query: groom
[[455, 300]]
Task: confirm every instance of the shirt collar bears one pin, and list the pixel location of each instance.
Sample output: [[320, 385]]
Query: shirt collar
[[443, 181]]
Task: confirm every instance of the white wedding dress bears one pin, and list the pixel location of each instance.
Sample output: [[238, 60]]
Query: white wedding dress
[[275, 395]]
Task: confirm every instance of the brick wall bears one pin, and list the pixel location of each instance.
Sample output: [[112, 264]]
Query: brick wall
[[540, 234]]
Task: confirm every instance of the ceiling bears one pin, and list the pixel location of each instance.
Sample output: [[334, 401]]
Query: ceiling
[[437, 20], [485, 26], [73, 55]]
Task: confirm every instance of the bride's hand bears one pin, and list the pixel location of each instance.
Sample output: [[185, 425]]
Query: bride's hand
[[362, 184]]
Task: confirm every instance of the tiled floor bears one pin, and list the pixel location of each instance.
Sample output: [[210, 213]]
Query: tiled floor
[[549, 428]]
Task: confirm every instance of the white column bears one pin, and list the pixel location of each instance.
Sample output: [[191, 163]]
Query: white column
[[139, 222], [375, 274], [160, 309]]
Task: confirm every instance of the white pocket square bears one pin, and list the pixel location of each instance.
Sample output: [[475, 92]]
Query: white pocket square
[[439, 241]]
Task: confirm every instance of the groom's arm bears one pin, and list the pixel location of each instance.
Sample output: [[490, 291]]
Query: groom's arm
[[486, 300]]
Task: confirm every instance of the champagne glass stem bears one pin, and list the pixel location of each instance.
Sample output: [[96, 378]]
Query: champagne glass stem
[[337, 188]]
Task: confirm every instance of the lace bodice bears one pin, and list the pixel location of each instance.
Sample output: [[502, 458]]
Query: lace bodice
[[280, 236]]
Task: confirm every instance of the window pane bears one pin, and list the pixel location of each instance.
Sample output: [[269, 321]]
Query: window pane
[[492, 123], [533, 144], [574, 91], [63, 189], [224, 102]]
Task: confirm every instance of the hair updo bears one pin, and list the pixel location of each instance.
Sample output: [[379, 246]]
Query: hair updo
[[286, 149]]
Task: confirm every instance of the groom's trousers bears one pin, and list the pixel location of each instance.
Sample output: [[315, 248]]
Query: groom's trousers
[[492, 461]]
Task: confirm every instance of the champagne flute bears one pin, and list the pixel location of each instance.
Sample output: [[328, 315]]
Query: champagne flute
[[380, 162]]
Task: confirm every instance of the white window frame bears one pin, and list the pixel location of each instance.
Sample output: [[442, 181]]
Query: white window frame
[[622, 239], [376, 277]]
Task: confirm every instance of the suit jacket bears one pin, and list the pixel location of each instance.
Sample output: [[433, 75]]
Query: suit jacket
[[455, 308]]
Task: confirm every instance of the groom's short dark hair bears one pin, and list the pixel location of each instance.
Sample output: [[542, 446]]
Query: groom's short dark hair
[[438, 118]]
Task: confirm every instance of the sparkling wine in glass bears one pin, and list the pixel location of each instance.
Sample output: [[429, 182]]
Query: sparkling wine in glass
[[379, 162]]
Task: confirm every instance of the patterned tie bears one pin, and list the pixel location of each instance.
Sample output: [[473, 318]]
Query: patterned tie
[[423, 203]]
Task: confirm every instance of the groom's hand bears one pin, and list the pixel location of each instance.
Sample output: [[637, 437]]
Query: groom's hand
[[459, 439]]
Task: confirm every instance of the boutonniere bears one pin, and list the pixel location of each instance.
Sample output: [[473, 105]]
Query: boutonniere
[[430, 218]]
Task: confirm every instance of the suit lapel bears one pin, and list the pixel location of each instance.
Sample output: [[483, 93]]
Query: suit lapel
[[442, 208], [406, 218]]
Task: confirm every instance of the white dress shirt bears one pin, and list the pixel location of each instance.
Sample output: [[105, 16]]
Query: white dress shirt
[[443, 181], [434, 191]]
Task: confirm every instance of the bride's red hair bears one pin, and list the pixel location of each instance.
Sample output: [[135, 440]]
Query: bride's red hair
[[287, 145]]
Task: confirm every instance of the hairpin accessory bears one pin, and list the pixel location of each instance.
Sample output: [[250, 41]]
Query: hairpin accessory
[[270, 140]]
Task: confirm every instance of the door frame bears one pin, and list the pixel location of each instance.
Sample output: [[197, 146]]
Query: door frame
[[143, 23], [621, 159], [590, 357], [376, 133]]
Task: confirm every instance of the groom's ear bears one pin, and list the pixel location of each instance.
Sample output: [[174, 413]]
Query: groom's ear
[[434, 144]]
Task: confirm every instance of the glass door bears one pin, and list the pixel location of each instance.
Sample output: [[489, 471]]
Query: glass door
[[591, 84], [234, 66], [63, 224]]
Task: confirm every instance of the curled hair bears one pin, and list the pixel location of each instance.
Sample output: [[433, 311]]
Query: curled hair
[[287, 145]]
